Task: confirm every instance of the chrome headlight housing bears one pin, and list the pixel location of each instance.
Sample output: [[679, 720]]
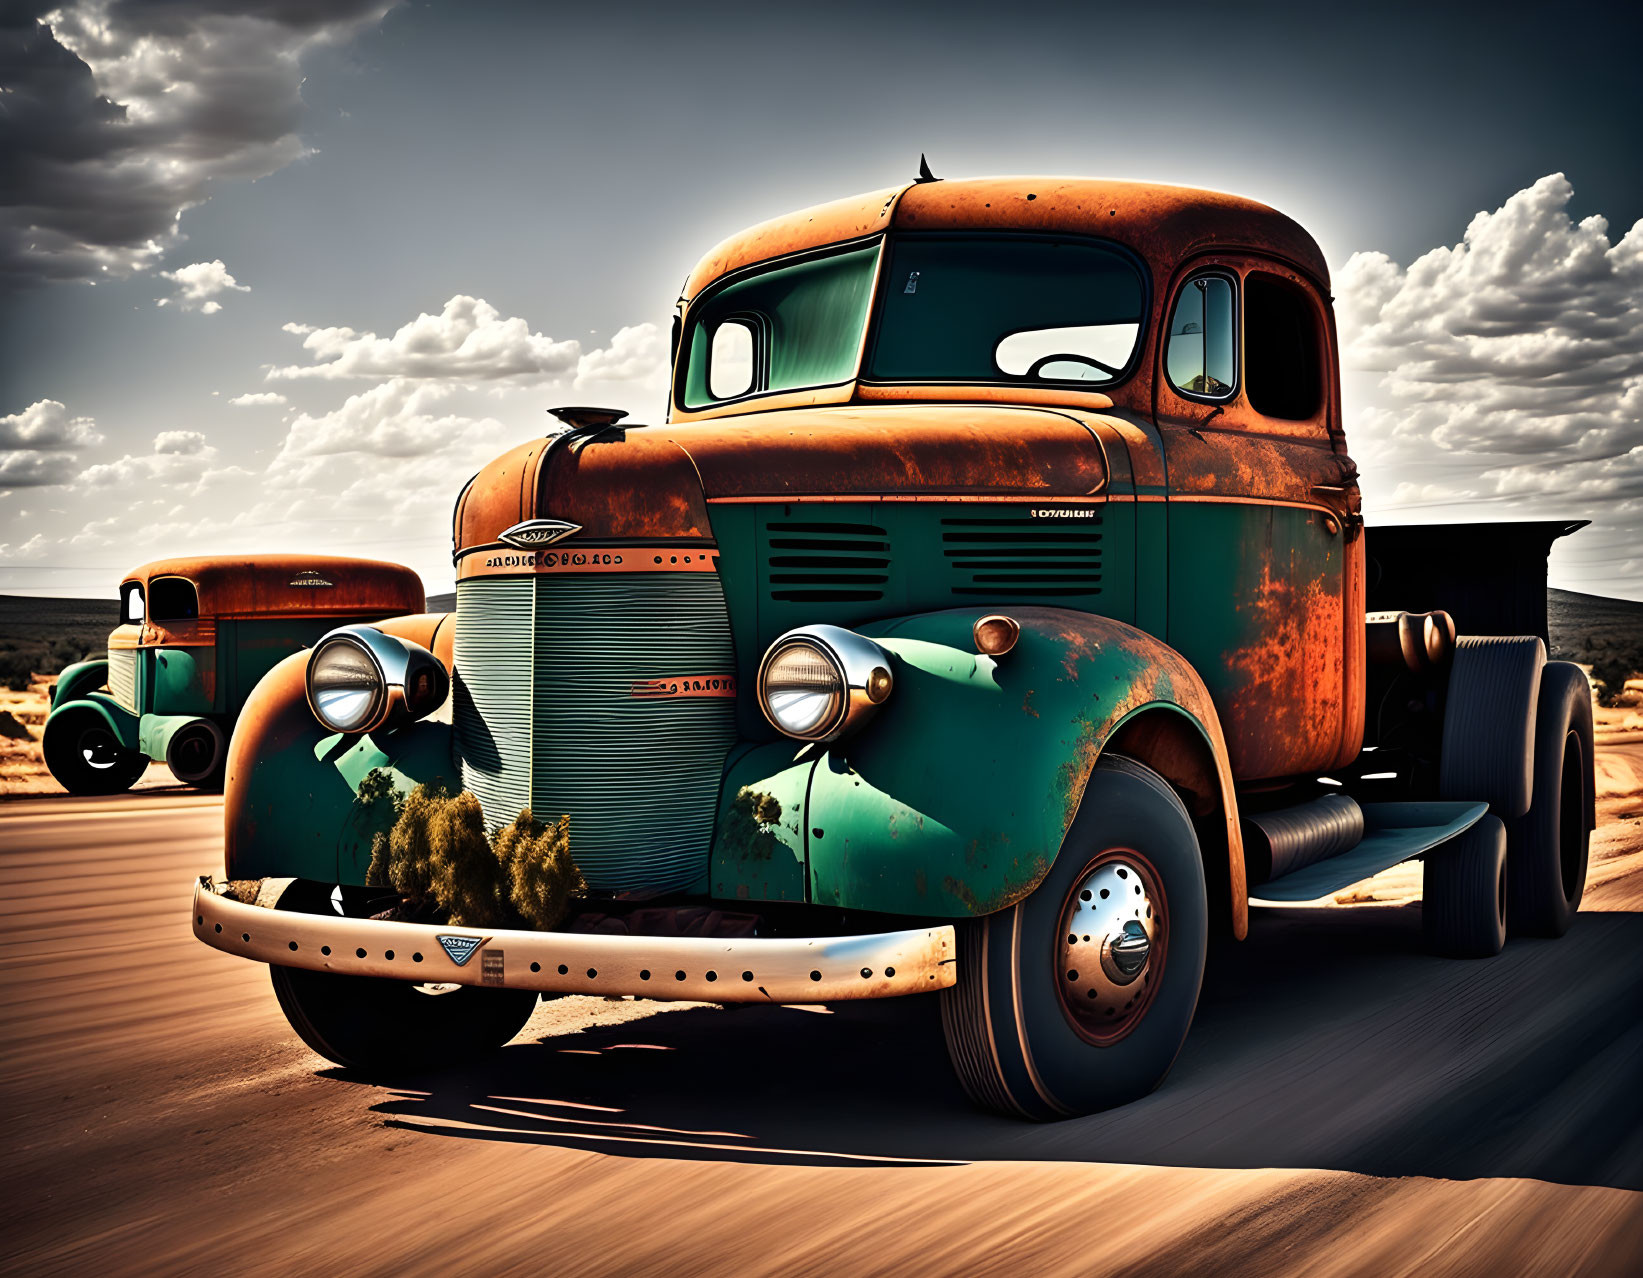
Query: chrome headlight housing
[[819, 683], [360, 679]]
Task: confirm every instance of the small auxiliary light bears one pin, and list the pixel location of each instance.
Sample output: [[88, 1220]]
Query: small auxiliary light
[[996, 634]]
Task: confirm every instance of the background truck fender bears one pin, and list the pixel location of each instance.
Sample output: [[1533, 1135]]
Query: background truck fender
[[121, 722], [79, 679], [289, 800], [955, 800]]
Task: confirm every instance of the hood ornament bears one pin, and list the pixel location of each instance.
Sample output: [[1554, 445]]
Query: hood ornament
[[533, 534]]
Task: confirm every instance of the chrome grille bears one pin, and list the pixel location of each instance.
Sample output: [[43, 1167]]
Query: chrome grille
[[545, 714], [122, 677]]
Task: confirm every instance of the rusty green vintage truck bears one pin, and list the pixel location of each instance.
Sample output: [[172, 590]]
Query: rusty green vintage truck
[[987, 620]]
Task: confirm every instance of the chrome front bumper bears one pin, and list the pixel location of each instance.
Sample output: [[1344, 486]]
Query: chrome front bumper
[[698, 969]]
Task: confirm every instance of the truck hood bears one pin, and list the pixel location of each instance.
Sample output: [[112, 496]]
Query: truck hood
[[656, 481]]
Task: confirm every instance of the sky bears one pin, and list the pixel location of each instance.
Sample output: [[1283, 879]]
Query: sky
[[282, 274]]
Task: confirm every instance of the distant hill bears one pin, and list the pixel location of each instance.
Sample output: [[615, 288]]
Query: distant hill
[[1605, 634], [44, 635], [442, 603]]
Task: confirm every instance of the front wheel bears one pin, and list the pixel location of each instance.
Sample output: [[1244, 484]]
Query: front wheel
[[379, 1026], [87, 758], [1079, 997]]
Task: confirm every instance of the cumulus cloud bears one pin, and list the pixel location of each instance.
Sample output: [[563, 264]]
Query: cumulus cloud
[[198, 286], [1506, 369], [120, 114], [469, 341], [181, 462], [36, 445], [258, 399], [637, 354], [399, 418]]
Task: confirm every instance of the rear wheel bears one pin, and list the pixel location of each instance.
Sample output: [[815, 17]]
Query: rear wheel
[[1547, 847], [1079, 997], [86, 757], [1463, 897], [380, 1026]]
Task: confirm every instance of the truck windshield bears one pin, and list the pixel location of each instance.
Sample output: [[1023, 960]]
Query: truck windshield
[[790, 327], [954, 308], [999, 308]]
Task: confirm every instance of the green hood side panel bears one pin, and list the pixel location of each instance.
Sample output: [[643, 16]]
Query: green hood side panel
[[954, 800]]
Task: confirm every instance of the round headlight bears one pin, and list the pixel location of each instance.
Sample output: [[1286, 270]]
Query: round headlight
[[803, 689], [818, 683], [345, 687]]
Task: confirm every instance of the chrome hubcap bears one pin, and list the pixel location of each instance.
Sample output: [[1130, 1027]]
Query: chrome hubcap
[[1110, 947]]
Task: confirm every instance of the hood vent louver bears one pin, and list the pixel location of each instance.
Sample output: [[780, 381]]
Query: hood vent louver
[[816, 562], [1011, 558]]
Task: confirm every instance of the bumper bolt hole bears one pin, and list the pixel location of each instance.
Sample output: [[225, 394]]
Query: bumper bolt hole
[[644, 974], [535, 967], [293, 946], [890, 971], [325, 950], [359, 953], [563, 970], [815, 976]]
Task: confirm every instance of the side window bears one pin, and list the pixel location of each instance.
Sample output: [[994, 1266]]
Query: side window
[[1201, 359], [173, 599], [730, 359], [1284, 349], [131, 603]]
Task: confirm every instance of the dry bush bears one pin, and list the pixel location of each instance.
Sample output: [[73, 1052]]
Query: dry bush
[[438, 849], [542, 877]]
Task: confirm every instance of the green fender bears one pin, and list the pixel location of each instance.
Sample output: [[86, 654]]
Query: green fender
[[291, 806], [954, 800], [121, 722], [77, 680]]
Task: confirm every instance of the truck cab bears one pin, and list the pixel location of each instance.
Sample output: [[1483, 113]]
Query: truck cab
[[986, 619]]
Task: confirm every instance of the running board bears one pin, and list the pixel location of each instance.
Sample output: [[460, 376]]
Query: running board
[[1393, 833]]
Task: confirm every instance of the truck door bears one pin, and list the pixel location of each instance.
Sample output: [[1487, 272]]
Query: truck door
[[1265, 545]]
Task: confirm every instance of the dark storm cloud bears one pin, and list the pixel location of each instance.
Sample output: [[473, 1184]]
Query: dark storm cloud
[[118, 116]]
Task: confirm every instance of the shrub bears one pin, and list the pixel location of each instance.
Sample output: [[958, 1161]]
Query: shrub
[[16, 670], [438, 849]]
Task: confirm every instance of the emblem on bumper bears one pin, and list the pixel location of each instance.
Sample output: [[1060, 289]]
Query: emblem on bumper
[[460, 948]]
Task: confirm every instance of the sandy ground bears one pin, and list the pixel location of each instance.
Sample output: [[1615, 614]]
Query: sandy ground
[[1345, 1105]]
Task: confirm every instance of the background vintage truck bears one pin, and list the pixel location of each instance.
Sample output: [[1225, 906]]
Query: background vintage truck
[[195, 636], [988, 618]]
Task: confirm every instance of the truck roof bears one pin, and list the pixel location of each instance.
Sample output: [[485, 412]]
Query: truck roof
[[1165, 224], [288, 585]]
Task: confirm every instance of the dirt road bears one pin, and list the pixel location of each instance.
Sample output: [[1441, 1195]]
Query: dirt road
[[1345, 1105]]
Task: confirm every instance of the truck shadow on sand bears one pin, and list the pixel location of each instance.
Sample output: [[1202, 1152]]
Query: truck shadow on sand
[[1328, 1040]]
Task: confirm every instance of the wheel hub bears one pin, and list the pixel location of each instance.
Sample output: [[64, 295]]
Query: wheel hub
[[1111, 946]]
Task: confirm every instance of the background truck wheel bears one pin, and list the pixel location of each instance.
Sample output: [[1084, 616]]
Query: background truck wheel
[[85, 757], [1546, 848], [1463, 895], [1079, 997], [379, 1026]]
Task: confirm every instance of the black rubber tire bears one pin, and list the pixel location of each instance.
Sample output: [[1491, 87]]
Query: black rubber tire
[[73, 739], [1547, 847], [1463, 893], [1489, 722], [383, 1027], [1012, 1044]]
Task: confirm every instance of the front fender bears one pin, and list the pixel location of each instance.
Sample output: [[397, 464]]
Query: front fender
[[290, 799], [121, 722], [77, 680], [955, 799]]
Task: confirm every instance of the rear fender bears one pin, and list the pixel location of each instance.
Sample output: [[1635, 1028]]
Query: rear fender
[[954, 801]]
